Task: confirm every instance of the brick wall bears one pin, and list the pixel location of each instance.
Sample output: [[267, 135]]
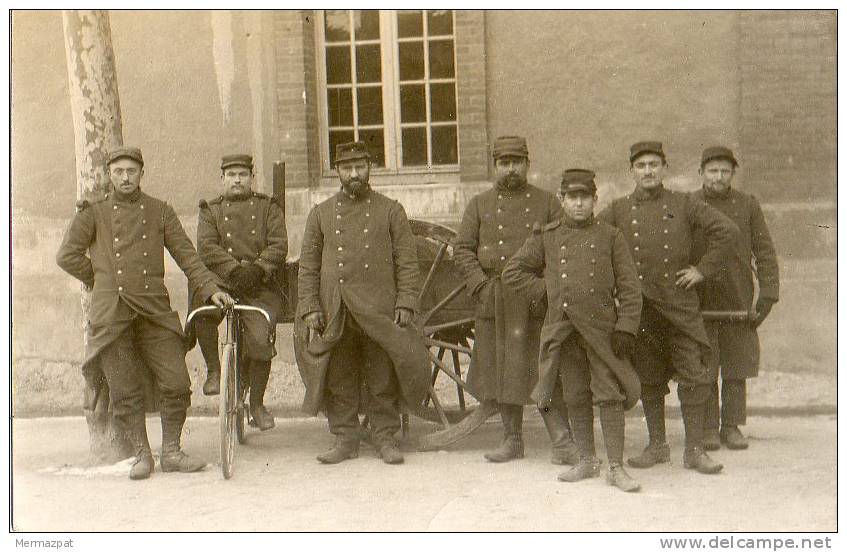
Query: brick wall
[[787, 67], [471, 94], [296, 97]]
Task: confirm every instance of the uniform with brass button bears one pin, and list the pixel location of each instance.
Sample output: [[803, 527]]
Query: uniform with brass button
[[358, 288], [658, 225], [241, 237], [131, 323], [735, 345], [504, 365], [584, 266]]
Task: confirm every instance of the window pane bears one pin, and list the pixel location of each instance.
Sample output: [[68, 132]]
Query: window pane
[[443, 98], [373, 137], [369, 99], [409, 23], [414, 146], [412, 103], [337, 64], [439, 22], [338, 137], [441, 59], [367, 24], [368, 63], [337, 26], [340, 103], [444, 148], [411, 61]]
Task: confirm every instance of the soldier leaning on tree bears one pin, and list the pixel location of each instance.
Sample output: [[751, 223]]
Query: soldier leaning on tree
[[735, 345], [131, 322]]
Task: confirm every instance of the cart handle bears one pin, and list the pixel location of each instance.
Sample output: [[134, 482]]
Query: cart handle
[[208, 308]]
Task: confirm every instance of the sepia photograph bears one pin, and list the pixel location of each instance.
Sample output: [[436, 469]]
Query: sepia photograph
[[424, 270]]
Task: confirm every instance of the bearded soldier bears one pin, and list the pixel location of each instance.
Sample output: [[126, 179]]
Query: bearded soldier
[[131, 322], [504, 365], [586, 341], [735, 345], [658, 225], [358, 291]]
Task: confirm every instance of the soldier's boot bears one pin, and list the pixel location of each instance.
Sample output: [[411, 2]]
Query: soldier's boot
[[613, 426], [207, 337], [99, 446], [711, 437], [512, 446], [582, 422], [658, 451], [259, 373], [173, 459], [692, 404], [564, 450], [390, 454], [343, 449], [134, 431], [733, 414]]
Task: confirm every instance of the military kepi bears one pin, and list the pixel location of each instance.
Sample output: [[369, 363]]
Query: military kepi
[[578, 180], [718, 152], [237, 160], [640, 148], [125, 151], [350, 151], [514, 146]]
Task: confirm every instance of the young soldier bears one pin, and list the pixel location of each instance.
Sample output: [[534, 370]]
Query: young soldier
[[131, 322], [504, 364], [735, 345], [241, 238], [586, 341], [658, 225]]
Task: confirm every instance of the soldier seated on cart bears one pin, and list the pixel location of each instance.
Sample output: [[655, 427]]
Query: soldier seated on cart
[[241, 238], [586, 341], [358, 291]]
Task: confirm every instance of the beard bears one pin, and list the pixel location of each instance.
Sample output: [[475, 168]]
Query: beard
[[355, 187], [512, 181]]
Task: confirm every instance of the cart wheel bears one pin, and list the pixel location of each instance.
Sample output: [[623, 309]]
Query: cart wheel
[[227, 409]]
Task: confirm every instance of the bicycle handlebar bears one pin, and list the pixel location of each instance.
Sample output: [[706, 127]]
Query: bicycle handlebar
[[207, 308]]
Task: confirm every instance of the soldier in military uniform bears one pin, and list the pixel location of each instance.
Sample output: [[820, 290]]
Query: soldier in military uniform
[[504, 365], [358, 291], [130, 321], [735, 345], [586, 341], [658, 225], [241, 237]]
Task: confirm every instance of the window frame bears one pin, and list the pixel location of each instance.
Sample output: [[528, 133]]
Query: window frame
[[390, 84]]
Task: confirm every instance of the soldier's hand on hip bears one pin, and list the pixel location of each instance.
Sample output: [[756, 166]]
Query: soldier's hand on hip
[[223, 299], [402, 316], [315, 321], [763, 309], [689, 277]]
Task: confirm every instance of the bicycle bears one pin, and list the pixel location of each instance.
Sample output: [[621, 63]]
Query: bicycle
[[234, 387]]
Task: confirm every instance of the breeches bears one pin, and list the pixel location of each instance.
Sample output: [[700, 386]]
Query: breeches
[[585, 376]]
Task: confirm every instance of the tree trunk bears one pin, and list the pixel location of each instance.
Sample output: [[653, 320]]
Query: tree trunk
[[96, 110]]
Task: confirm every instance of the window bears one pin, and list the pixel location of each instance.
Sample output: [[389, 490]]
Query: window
[[388, 78]]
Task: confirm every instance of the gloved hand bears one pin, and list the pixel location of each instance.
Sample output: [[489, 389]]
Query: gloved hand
[[623, 344], [763, 309], [244, 278], [253, 276], [403, 317], [315, 321]]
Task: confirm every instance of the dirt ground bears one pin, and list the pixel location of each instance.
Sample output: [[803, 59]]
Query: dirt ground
[[786, 481]]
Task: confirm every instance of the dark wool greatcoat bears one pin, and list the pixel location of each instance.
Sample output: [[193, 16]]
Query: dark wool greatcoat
[[504, 365], [659, 231], [126, 242], [359, 259], [732, 289], [585, 269], [245, 230]]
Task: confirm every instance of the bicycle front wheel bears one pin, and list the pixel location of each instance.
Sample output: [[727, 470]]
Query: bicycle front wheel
[[228, 407]]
